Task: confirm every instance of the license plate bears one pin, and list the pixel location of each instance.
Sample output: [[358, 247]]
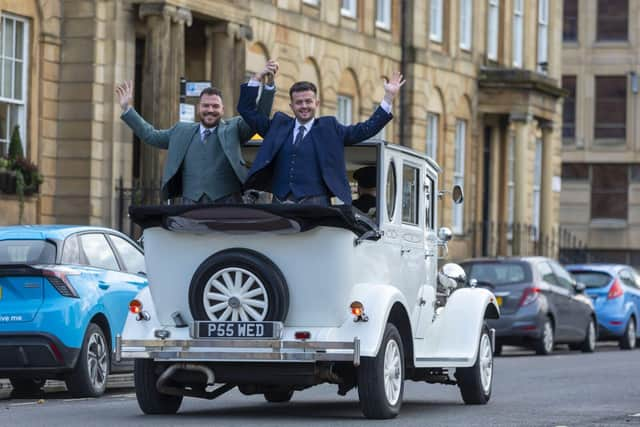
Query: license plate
[[235, 330], [499, 301]]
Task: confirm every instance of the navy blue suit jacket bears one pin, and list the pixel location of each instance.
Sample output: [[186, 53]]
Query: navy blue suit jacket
[[327, 134]]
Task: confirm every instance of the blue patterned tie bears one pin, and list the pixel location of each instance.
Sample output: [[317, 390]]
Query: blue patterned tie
[[300, 135], [205, 135]]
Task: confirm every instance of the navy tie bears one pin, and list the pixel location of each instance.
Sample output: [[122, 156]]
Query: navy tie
[[205, 135], [299, 136]]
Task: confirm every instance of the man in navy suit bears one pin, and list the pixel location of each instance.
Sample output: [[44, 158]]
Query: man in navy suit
[[301, 159]]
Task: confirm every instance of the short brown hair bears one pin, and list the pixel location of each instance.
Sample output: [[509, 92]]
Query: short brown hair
[[302, 87], [211, 91]]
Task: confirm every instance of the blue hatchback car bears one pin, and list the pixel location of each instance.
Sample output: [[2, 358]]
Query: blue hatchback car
[[64, 294], [615, 290]]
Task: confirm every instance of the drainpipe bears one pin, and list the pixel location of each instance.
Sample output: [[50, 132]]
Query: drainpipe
[[404, 28]]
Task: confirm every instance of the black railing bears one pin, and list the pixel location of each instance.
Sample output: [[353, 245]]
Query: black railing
[[137, 194]]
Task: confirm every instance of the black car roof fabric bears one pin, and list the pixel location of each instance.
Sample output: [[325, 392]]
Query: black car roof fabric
[[250, 218]]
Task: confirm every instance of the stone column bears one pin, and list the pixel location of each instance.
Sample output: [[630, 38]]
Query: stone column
[[163, 66], [228, 55], [521, 194], [495, 182], [546, 192]]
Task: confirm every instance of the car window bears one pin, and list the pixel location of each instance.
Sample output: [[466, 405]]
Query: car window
[[546, 273], [130, 255], [428, 202], [410, 195], [498, 273], [626, 278], [71, 251], [592, 279], [564, 277], [97, 251], [391, 190], [27, 252], [636, 279]]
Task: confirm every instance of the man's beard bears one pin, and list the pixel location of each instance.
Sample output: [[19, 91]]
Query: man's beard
[[204, 123]]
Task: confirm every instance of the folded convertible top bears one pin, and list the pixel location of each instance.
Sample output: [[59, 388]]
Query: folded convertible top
[[286, 218]]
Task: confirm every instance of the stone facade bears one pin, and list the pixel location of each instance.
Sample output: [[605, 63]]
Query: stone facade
[[82, 48]]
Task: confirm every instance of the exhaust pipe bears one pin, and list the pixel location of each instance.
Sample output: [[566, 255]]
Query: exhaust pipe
[[166, 389]]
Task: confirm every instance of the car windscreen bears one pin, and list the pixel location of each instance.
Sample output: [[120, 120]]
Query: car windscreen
[[592, 279], [498, 273], [27, 252]]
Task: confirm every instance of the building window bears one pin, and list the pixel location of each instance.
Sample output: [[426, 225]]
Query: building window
[[570, 21], [613, 20], [458, 174], [511, 186], [312, 2], [569, 107], [493, 26], [435, 20], [543, 35], [575, 171], [345, 109], [383, 14], [537, 183], [466, 23], [611, 107], [14, 42], [609, 191], [432, 135], [349, 8], [518, 32]]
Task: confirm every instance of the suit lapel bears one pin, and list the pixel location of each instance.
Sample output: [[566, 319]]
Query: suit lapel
[[186, 142], [288, 135]]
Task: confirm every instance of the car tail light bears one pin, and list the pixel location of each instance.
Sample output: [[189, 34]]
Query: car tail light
[[615, 291], [135, 306], [528, 296], [302, 335], [59, 280]]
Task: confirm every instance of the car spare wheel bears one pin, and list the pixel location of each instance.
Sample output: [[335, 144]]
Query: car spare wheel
[[238, 285]]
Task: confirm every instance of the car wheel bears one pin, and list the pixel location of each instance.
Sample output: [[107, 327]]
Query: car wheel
[[150, 400], [381, 378], [89, 376], [589, 343], [26, 386], [628, 340], [544, 344], [476, 382], [238, 285], [278, 396]]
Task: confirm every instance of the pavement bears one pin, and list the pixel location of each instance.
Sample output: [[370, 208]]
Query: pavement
[[53, 386]]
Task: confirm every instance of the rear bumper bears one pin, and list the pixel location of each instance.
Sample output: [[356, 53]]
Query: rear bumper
[[218, 350], [29, 354], [518, 326]]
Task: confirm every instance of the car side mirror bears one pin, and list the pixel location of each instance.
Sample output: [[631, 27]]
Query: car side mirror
[[457, 194], [579, 287], [445, 234], [452, 276]]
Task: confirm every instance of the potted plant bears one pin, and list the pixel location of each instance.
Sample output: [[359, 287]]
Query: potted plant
[[7, 176]]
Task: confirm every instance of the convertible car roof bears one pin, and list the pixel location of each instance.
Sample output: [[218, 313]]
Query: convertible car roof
[[287, 218]]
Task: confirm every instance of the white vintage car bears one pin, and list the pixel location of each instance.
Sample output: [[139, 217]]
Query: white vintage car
[[274, 299]]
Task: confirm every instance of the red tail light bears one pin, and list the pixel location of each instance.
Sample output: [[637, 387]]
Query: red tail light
[[615, 291], [57, 276], [528, 296]]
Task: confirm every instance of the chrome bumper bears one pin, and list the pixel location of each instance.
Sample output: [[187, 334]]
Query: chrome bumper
[[218, 350]]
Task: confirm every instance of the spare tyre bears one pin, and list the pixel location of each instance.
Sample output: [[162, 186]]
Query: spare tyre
[[238, 285]]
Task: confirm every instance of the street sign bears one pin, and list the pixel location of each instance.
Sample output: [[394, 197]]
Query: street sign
[[187, 113], [194, 88]]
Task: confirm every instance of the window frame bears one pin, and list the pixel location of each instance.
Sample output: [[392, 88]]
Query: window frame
[[566, 36], [433, 131], [605, 18], [391, 202], [518, 34], [383, 6], [543, 36], [459, 174], [493, 29], [351, 11], [415, 198], [570, 101], [600, 125], [436, 16], [344, 105], [620, 194], [465, 29]]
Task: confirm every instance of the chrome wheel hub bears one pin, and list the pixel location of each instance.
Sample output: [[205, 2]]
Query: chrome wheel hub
[[548, 337], [392, 372], [485, 360], [97, 361], [235, 294]]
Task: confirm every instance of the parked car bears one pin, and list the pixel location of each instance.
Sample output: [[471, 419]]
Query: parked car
[[541, 304], [274, 299], [615, 290], [63, 297]]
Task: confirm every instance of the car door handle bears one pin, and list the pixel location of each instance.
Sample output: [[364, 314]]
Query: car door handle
[[103, 285]]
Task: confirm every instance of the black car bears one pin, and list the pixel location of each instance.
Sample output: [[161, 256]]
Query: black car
[[541, 304]]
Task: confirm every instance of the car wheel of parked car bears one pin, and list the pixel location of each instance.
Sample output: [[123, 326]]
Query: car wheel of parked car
[[150, 400], [381, 378], [26, 386], [278, 396], [589, 343], [628, 340], [238, 285], [89, 376], [475, 383], [544, 344]]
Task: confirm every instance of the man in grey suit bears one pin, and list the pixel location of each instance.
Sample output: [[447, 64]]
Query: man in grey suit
[[204, 163]]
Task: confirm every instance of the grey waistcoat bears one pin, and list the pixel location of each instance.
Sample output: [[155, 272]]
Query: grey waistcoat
[[206, 170]]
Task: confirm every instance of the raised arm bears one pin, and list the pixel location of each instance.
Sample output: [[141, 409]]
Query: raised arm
[[265, 103], [378, 120], [143, 130], [255, 115]]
